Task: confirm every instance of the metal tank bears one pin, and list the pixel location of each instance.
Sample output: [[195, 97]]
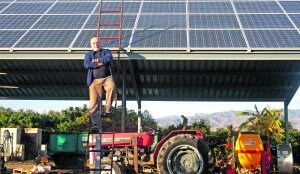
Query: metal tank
[[285, 159]]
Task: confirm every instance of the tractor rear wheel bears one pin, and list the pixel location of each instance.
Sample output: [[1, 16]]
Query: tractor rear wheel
[[183, 154]]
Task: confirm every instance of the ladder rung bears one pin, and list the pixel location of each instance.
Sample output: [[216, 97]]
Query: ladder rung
[[110, 11], [89, 144], [110, 24], [109, 38]]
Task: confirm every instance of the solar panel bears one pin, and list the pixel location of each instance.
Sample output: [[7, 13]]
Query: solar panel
[[8, 38], [210, 7], [163, 7], [81, 0], [61, 22], [83, 40], [166, 21], [217, 39], [265, 21], [273, 38], [296, 19], [33, 0], [213, 21], [159, 38], [128, 7], [85, 36], [27, 8], [257, 7], [3, 5], [291, 6], [128, 21], [47, 39], [164, 0], [17, 21], [153, 23], [72, 8]]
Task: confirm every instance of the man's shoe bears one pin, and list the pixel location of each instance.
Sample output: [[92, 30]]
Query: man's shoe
[[107, 114], [94, 129]]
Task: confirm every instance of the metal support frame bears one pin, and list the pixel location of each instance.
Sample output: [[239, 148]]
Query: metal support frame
[[139, 116], [98, 155], [134, 79], [286, 123], [137, 94], [124, 113]]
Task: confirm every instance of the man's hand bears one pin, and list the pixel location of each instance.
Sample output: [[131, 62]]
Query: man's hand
[[99, 64]]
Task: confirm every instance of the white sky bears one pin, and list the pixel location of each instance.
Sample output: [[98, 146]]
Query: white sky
[[156, 108]]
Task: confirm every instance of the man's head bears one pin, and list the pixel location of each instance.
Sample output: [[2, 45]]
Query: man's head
[[95, 43]]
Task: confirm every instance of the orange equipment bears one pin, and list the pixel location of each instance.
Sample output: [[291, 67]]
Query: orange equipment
[[249, 147]]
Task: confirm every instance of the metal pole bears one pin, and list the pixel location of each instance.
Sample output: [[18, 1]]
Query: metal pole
[[123, 125], [96, 138], [98, 155], [233, 155], [286, 123], [139, 117]]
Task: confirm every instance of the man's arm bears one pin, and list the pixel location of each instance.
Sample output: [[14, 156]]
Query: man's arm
[[98, 63], [88, 61], [106, 58]]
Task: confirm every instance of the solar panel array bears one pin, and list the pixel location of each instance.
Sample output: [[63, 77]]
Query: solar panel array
[[153, 24]]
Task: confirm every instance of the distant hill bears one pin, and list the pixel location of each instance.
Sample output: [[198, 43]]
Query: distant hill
[[222, 119]]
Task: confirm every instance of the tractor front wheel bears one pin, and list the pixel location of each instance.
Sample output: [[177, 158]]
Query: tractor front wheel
[[183, 154]]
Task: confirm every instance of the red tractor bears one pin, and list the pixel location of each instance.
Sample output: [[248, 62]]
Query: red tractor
[[180, 152]]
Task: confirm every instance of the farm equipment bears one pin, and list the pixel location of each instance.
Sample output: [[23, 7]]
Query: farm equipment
[[256, 156], [180, 152]]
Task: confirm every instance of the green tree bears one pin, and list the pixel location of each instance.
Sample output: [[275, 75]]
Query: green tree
[[266, 123], [202, 124], [147, 120], [72, 119]]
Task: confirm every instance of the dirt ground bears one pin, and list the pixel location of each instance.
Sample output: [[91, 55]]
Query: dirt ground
[[27, 166], [24, 165]]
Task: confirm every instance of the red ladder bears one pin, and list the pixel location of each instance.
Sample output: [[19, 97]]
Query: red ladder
[[91, 146], [95, 147], [102, 25]]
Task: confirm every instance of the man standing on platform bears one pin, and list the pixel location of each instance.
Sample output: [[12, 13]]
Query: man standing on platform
[[97, 62]]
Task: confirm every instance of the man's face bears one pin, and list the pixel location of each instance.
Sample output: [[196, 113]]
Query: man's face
[[95, 43]]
